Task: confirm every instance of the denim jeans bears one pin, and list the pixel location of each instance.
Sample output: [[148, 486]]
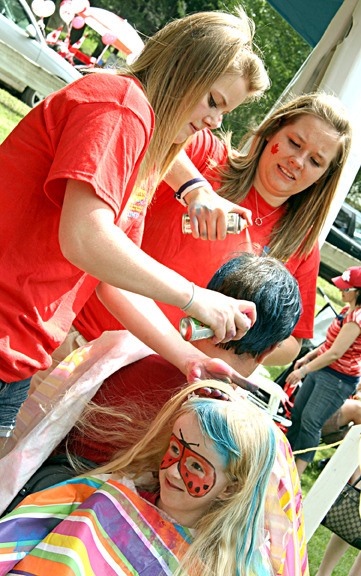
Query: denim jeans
[[320, 395], [12, 396]]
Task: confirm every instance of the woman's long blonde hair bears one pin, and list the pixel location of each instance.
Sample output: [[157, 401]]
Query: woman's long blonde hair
[[228, 536], [178, 66], [299, 228]]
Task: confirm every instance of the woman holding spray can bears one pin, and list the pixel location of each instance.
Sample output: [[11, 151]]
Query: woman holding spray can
[[287, 179], [73, 196]]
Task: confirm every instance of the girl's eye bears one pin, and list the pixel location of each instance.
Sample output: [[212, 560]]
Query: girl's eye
[[212, 102], [194, 466], [293, 143], [197, 467], [174, 449], [315, 163]]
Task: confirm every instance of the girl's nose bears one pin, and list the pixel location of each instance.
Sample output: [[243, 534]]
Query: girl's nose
[[173, 471], [214, 121], [298, 160]]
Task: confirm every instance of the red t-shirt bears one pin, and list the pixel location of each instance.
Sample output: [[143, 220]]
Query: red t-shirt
[[350, 362], [96, 130], [198, 260], [149, 382]]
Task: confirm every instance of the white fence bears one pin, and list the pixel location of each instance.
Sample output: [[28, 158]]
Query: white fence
[[331, 481]]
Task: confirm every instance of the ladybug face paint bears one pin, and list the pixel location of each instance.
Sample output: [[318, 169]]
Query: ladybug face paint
[[197, 473]]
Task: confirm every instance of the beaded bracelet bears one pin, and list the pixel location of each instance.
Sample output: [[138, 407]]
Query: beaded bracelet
[[188, 187], [191, 300]]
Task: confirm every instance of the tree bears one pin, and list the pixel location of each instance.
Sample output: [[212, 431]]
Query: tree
[[354, 195], [282, 49]]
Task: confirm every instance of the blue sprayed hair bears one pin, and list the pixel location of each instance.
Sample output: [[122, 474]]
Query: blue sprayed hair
[[215, 426], [266, 282], [214, 423], [253, 557]]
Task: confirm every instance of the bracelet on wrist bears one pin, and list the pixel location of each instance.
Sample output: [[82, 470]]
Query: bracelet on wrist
[[188, 187], [184, 308], [303, 371]]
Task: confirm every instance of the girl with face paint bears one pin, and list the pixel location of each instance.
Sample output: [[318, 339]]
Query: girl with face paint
[[187, 498]]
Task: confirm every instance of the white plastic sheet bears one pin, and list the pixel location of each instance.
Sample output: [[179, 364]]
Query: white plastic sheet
[[52, 409]]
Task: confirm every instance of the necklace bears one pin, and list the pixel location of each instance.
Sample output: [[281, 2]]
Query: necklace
[[259, 221]]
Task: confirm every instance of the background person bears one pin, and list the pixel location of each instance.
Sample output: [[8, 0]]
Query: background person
[[193, 485], [344, 417], [339, 423], [72, 164], [288, 180], [336, 548], [331, 372]]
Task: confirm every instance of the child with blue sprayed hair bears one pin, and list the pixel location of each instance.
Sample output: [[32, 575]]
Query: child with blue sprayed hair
[[187, 498]]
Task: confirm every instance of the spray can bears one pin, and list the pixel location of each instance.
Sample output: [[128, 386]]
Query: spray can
[[192, 329], [235, 224]]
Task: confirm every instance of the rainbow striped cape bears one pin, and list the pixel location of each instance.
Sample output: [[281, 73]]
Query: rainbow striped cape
[[88, 526]]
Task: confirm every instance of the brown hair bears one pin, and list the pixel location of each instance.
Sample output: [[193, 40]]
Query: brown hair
[[293, 233], [178, 66]]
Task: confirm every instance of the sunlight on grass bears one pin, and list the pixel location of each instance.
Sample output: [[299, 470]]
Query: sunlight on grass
[[12, 111], [317, 544]]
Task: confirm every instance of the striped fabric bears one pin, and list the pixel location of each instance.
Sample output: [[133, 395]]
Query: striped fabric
[[88, 526], [284, 515], [350, 362]]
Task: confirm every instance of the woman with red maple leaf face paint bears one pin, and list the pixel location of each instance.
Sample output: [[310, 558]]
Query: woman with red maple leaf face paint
[[191, 496], [287, 179]]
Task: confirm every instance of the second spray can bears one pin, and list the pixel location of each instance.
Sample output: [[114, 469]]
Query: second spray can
[[235, 224], [191, 329]]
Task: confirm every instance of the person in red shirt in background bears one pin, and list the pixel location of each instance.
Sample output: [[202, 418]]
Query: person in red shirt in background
[[287, 179], [331, 372]]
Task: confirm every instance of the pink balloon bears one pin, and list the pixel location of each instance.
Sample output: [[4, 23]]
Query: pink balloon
[[78, 22], [108, 38]]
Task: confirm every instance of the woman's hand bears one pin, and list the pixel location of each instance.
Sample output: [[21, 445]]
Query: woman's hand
[[229, 318], [296, 376], [208, 213], [301, 362], [214, 368]]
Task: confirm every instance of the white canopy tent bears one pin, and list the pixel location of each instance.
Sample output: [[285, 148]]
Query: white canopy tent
[[334, 66]]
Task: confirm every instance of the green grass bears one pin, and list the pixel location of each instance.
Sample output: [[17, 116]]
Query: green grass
[[11, 112]]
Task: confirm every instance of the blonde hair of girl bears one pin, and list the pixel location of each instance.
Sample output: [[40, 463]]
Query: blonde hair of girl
[[228, 536], [179, 64], [306, 213]]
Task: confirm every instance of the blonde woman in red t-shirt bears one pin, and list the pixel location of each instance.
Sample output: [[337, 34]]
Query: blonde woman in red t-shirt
[[76, 175], [288, 180], [331, 372]]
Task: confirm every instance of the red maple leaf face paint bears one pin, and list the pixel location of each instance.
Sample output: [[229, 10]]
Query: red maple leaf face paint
[[274, 148], [197, 473]]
